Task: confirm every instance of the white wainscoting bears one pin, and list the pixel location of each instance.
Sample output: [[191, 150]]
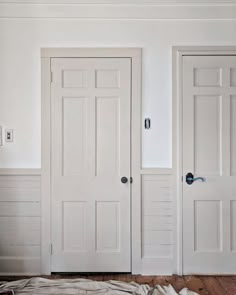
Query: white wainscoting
[[20, 194], [20, 223], [158, 222]]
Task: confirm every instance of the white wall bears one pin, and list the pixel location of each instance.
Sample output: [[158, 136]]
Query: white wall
[[25, 28], [20, 43]]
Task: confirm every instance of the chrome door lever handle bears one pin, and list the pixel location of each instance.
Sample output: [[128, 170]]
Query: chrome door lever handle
[[199, 178]]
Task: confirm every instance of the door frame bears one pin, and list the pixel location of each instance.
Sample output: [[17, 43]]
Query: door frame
[[135, 55], [178, 52]]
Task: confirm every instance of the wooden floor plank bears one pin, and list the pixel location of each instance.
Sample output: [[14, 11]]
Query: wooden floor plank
[[160, 280], [149, 280], [125, 278], [178, 283], [196, 284], [213, 286], [168, 280], [228, 284], [203, 285]]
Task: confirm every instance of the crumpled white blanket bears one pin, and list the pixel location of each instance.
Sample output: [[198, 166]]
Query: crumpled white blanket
[[41, 286]]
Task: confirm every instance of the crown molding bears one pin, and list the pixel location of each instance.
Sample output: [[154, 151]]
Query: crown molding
[[138, 10]]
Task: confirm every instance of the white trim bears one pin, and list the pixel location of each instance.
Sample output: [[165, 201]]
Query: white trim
[[20, 171], [124, 2], [135, 55], [89, 52], [163, 267], [136, 219], [177, 80], [156, 171], [113, 11], [46, 174]]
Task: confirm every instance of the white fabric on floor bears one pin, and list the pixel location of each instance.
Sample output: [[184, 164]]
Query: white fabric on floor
[[41, 286]]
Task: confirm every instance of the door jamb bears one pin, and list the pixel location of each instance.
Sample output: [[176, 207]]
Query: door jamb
[[178, 52], [135, 54]]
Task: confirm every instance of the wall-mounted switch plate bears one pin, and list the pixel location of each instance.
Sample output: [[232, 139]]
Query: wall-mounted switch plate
[[1, 143], [147, 123], [9, 135]]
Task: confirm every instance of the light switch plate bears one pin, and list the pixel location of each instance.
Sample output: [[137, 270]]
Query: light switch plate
[[147, 123], [9, 135]]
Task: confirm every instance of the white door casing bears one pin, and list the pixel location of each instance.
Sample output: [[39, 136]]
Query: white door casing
[[90, 207], [209, 151]]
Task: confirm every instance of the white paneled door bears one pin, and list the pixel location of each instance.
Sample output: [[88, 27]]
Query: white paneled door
[[209, 151], [91, 106]]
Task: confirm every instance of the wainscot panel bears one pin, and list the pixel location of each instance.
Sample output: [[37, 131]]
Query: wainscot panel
[[158, 219], [20, 224]]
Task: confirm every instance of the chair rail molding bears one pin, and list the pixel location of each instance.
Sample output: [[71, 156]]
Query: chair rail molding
[[20, 171], [156, 171]]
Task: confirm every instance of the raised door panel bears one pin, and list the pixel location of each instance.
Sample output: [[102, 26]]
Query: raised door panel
[[75, 142], [107, 136], [107, 78], [233, 135], [108, 226], [207, 235], [233, 77], [233, 225], [75, 214], [207, 77], [74, 78], [207, 114]]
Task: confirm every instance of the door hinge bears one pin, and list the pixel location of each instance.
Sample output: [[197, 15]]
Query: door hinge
[[51, 249], [51, 77]]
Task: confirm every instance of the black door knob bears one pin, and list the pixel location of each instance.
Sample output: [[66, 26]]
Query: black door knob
[[189, 178], [124, 179]]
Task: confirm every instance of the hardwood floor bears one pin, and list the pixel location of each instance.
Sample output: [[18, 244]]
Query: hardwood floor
[[203, 285]]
